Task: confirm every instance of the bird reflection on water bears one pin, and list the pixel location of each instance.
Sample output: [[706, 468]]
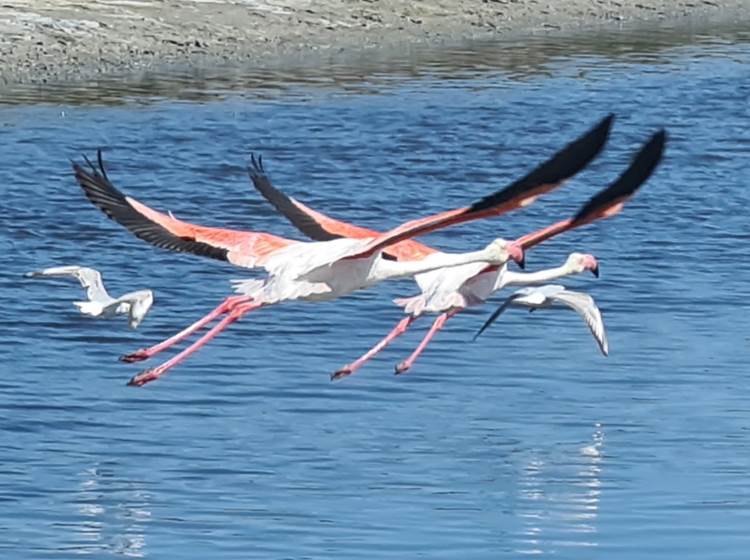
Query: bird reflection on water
[[112, 519], [558, 509]]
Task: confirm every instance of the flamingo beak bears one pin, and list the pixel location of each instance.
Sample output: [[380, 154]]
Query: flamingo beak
[[592, 264], [517, 254]]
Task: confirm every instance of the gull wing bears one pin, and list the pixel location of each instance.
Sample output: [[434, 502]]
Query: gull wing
[[138, 305], [510, 300], [586, 307], [89, 278]]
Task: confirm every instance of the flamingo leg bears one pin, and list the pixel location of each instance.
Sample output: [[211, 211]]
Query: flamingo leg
[[146, 353], [355, 365], [154, 373], [436, 326]]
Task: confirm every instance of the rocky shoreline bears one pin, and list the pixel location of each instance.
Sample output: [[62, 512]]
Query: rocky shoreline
[[49, 40]]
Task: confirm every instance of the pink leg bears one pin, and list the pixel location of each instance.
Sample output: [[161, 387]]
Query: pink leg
[[436, 326], [355, 365], [152, 374], [223, 307]]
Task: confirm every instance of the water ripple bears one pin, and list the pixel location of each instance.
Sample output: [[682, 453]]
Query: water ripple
[[525, 442]]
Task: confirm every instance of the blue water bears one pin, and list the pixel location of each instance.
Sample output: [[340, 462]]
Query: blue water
[[525, 442]]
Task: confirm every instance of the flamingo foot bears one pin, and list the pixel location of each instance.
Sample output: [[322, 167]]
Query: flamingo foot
[[343, 372], [137, 356], [146, 376], [403, 367]]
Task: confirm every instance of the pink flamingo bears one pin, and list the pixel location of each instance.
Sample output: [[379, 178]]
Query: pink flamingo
[[317, 270], [448, 291]]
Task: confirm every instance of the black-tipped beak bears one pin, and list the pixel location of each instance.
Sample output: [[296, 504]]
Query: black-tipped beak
[[595, 271], [517, 254]]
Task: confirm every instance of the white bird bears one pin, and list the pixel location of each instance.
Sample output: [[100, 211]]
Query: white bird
[[555, 295], [100, 304], [448, 291]]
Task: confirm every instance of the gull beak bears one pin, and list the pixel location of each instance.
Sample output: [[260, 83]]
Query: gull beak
[[516, 253]]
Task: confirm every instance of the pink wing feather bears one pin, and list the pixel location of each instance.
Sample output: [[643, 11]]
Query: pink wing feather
[[242, 248]]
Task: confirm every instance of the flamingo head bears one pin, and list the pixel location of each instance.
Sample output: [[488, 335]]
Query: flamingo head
[[516, 252], [510, 250], [580, 262]]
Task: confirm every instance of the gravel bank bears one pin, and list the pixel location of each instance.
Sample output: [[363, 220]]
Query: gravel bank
[[51, 40]]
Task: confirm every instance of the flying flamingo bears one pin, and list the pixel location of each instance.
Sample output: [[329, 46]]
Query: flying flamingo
[[319, 270], [448, 291], [553, 295]]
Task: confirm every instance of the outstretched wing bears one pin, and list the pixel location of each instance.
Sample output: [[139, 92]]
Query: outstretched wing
[[138, 305], [609, 201], [89, 278], [544, 178], [510, 300], [318, 226], [242, 248], [586, 307]]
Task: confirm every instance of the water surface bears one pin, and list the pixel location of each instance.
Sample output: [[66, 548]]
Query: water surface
[[525, 442]]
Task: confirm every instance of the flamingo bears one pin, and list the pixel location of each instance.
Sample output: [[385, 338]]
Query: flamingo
[[318, 270], [100, 304], [448, 291], [551, 295]]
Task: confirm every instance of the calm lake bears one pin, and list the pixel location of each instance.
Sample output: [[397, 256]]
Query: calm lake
[[525, 442]]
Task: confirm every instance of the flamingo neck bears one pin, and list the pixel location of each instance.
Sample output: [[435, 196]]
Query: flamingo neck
[[512, 278], [398, 269]]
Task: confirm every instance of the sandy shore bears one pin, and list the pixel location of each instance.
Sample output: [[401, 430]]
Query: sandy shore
[[51, 40]]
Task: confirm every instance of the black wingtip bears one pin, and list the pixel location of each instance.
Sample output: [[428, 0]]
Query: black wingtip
[[567, 162], [640, 169], [484, 327], [97, 170], [255, 169], [285, 205], [88, 162], [104, 195], [100, 161]]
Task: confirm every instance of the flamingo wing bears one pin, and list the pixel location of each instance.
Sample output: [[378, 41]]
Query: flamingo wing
[[242, 248], [609, 201], [542, 179], [318, 226]]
